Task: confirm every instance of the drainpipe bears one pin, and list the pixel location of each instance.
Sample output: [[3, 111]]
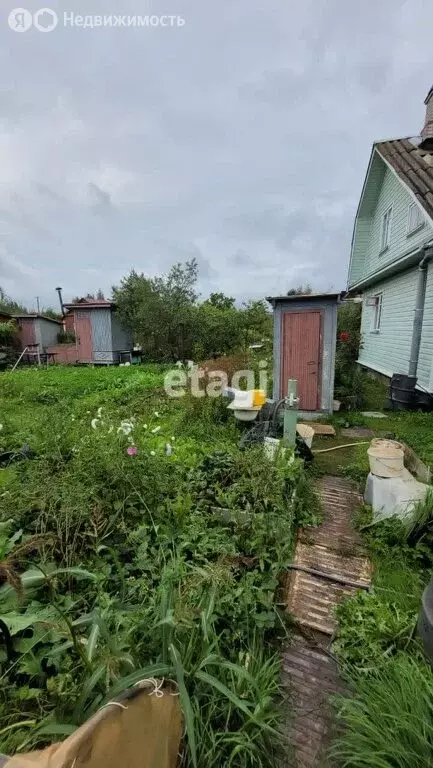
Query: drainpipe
[[419, 309]]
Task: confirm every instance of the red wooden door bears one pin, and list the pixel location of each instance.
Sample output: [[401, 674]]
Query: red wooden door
[[301, 352], [83, 333]]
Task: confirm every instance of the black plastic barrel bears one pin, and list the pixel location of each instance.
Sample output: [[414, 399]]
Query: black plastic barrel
[[402, 392]]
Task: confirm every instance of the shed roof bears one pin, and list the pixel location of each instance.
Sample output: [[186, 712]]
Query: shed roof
[[305, 297], [90, 304], [413, 165], [35, 316]]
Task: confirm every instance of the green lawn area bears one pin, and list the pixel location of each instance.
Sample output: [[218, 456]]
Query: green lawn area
[[413, 428], [139, 541]]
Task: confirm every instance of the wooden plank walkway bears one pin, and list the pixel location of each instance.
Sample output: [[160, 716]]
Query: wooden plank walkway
[[309, 671]]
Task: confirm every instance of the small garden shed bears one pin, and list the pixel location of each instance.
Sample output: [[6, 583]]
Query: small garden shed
[[37, 331], [305, 335], [99, 336]]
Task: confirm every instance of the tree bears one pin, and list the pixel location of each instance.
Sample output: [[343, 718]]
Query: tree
[[219, 301], [161, 310], [301, 290], [11, 306], [218, 328], [257, 322], [100, 294], [50, 312]]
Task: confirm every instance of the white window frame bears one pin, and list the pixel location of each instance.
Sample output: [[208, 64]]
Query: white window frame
[[377, 303], [384, 242], [420, 221]]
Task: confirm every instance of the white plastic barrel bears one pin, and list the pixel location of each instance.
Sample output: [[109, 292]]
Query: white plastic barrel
[[386, 458]]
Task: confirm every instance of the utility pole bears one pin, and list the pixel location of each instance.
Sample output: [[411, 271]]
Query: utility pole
[[37, 304]]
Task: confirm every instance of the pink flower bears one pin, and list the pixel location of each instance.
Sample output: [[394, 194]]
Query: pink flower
[[132, 450]]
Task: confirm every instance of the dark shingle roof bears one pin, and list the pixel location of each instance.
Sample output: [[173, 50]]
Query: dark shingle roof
[[413, 165]]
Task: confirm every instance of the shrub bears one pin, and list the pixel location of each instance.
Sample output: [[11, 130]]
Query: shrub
[[66, 337]]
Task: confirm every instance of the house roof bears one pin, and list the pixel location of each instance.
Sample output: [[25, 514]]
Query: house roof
[[34, 316], [413, 165], [304, 297]]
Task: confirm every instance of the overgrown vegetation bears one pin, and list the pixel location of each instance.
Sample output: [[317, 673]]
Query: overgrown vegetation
[[139, 541], [170, 322], [387, 719]]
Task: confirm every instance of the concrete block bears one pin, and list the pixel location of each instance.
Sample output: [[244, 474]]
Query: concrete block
[[393, 496]]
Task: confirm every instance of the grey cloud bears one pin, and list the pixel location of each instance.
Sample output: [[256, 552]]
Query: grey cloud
[[241, 259], [241, 138]]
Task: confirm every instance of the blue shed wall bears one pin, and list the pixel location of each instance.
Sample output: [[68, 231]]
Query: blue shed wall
[[47, 332], [329, 309], [101, 335]]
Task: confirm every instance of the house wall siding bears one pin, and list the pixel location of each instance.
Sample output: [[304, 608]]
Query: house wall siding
[[366, 253], [388, 350], [425, 360], [394, 194]]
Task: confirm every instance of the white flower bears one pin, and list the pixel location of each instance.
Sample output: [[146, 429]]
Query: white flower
[[99, 412], [126, 427], [94, 423], [168, 449], [155, 430], [87, 411], [173, 438], [144, 426], [72, 418], [157, 414], [152, 453]]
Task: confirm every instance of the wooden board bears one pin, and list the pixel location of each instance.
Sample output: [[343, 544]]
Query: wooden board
[[320, 429]]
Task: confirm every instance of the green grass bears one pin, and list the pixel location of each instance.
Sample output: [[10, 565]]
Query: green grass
[[385, 720], [389, 720]]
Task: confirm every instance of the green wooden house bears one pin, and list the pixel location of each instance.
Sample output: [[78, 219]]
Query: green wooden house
[[391, 264]]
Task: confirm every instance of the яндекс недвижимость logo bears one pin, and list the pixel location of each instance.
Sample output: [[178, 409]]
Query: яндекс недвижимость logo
[[44, 20]]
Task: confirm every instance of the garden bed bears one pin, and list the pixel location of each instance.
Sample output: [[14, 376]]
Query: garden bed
[[140, 541]]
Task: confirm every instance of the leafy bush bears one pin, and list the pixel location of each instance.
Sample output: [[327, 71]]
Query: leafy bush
[[65, 337], [383, 628], [348, 377]]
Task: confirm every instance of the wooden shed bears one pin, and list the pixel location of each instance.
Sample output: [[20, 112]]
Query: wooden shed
[[37, 331], [305, 336], [99, 336]]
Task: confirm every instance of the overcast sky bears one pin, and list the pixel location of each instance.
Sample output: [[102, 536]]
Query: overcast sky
[[241, 138]]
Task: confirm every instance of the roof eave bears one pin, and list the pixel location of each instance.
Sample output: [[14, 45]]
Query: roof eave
[[405, 262]]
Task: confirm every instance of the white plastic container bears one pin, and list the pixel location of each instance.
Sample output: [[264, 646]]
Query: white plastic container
[[271, 447], [386, 458], [306, 432]]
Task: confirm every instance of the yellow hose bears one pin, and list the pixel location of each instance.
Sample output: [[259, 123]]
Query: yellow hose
[[346, 445]]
